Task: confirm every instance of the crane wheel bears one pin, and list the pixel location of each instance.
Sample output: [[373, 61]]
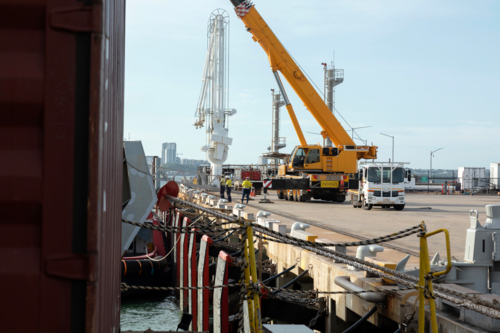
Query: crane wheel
[[285, 194], [296, 195], [290, 195], [280, 194]]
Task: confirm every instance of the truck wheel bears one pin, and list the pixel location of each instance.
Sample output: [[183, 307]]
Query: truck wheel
[[340, 198], [296, 195], [399, 207], [304, 197], [280, 194], [285, 194], [366, 206], [290, 195]]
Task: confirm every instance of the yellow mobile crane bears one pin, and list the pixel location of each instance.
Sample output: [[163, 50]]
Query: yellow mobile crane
[[312, 171]]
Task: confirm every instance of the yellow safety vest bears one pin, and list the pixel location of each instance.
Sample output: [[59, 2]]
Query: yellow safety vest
[[223, 182], [247, 184], [229, 183]]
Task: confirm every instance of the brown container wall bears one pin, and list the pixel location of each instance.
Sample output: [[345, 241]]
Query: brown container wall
[[61, 124]]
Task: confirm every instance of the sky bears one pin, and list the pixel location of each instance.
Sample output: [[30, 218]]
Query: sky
[[426, 72]]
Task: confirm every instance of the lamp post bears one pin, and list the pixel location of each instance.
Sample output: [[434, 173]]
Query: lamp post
[[430, 171], [355, 128]]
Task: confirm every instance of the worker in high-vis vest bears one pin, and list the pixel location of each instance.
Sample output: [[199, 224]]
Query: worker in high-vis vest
[[229, 185], [247, 187], [222, 187]]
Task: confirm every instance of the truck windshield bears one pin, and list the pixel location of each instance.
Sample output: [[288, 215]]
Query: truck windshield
[[374, 175]]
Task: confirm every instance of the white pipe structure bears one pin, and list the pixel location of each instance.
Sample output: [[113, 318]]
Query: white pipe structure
[[333, 77], [213, 103]]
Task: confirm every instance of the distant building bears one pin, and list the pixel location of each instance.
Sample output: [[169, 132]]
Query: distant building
[[189, 161], [169, 152]]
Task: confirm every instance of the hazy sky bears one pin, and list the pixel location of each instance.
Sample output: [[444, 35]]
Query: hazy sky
[[426, 72]]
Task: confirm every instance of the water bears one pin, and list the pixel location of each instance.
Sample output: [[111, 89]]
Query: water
[[160, 313]]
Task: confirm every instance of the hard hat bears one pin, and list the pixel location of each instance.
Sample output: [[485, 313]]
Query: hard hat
[[247, 178], [227, 177]]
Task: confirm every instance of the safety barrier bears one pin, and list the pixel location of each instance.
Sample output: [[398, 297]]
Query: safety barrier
[[203, 280], [177, 246], [183, 266], [221, 295], [192, 282]]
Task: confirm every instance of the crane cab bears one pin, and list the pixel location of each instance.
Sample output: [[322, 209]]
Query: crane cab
[[318, 159]]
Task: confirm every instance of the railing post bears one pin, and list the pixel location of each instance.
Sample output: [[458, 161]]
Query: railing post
[[249, 293], [253, 271], [425, 287]]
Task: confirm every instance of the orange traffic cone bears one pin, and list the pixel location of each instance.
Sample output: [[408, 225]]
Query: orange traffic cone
[[252, 193]]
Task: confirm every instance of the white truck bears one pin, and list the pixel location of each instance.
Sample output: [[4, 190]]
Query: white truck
[[380, 184]]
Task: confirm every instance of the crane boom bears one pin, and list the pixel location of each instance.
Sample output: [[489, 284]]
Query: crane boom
[[280, 60]]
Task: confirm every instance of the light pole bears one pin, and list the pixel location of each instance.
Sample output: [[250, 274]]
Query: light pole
[[392, 161], [430, 171], [355, 128]]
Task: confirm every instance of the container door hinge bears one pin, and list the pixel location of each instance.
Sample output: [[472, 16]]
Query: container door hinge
[[77, 18], [68, 266]]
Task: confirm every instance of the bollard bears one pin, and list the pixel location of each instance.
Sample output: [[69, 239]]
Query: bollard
[[366, 251], [299, 226]]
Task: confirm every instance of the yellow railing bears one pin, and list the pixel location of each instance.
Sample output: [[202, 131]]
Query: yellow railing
[[254, 313], [426, 277]]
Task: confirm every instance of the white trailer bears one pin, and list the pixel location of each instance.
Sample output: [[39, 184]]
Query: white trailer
[[472, 178], [381, 184], [495, 176]]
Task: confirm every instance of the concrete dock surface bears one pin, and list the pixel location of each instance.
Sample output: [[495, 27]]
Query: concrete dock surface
[[437, 211], [340, 222]]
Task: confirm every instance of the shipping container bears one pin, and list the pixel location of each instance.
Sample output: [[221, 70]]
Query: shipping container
[[472, 178], [61, 132], [495, 176]]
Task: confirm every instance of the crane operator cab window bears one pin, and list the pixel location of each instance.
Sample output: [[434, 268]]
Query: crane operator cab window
[[313, 156], [299, 158]]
